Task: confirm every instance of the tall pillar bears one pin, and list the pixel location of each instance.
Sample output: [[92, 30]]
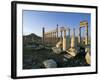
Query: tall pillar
[[68, 39], [48, 38], [72, 51], [52, 38], [45, 39], [61, 35], [86, 36], [64, 40], [57, 34], [43, 35], [55, 37], [73, 39], [69, 32], [79, 35]]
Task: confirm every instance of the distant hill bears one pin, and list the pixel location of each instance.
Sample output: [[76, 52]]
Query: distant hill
[[32, 38]]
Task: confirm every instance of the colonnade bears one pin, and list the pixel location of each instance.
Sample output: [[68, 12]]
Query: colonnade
[[52, 37]]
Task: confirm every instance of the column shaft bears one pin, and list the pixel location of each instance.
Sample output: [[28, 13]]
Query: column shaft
[[64, 41], [61, 35], [43, 35], [79, 35], [73, 39], [86, 36]]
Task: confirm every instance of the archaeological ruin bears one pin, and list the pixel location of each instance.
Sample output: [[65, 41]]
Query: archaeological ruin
[[61, 47], [66, 39]]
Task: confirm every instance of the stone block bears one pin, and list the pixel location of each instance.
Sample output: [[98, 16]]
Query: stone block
[[50, 63]]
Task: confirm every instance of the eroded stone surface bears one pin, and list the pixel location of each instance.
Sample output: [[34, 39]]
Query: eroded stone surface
[[50, 63], [56, 50], [88, 58]]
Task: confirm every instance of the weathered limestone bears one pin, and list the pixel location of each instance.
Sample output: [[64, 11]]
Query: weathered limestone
[[88, 58], [55, 37], [50, 63], [79, 35], [85, 24], [64, 41], [86, 36], [73, 39], [72, 51], [68, 32], [68, 39], [61, 34], [57, 50], [43, 33], [59, 44], [57, 34], [50, 37]]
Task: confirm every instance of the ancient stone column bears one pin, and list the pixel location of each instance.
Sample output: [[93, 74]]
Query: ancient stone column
[[55, 37], [68, 32], [43, 35], [72, 51], [68, 39], [57, 34], [52, 37], [86, 36], [79, 35], [61, 35], [64, 40], [48, 38], [45, 38], [73, 39]]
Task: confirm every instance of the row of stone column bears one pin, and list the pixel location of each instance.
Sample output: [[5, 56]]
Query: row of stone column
[[50, 37], [73, 42], [63, 37]]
